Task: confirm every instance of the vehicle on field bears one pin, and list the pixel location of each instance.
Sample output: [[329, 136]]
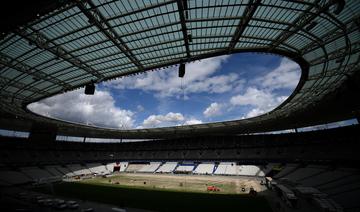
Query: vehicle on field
[[212, 188]]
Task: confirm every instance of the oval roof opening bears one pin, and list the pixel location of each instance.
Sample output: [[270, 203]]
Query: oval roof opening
[[223, 88]]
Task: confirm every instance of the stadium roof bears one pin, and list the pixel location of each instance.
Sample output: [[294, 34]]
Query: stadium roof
[[89, 40]]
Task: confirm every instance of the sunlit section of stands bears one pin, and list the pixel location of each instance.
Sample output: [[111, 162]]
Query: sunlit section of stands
[[226, 168], [97, 168], [110, 167], [134, 167], [123, 166], [185, 168], [204, 168], [248, 170], [167, 167], [150, 168]]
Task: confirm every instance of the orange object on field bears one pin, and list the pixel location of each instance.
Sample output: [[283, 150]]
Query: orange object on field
[[212, 188]]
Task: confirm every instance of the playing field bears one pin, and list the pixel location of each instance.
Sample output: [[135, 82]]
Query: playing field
[[167, 192], [183, 183]]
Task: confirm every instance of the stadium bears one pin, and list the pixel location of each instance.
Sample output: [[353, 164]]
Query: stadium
[[296, 151]]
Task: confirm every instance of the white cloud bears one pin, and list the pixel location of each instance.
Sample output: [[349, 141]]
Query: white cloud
[[197, 79], [163, 120], [254, 97], [170, 119], [193, 121], [215, 109], [98, 109], [261, 101], [254, 112], [262, 95], [286, 75], [140, 108]]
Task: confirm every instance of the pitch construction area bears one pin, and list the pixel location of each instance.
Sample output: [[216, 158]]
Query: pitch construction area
[[158, 192], [184, 183]]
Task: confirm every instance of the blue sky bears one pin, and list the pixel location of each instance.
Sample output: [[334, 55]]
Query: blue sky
[[215, 89]]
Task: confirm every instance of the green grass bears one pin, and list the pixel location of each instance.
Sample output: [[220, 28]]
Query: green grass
[[159, 200]]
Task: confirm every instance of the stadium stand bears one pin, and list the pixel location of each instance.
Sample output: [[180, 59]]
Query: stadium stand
[[54, 170], [327, 177], [97, 168], [35, 173], [204, 168], [286, 170], [123, 166], [60, 46], [67, 172], [335, 180], [167, 167], [135, 167], [110, 167], [267, 169], [248, 170], [78, 169], [151, 167], [188, 168], [306, 172], [14, 177], [226, 168], [327, 205]]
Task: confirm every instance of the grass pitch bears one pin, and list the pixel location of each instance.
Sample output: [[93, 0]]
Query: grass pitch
[[163, 193]]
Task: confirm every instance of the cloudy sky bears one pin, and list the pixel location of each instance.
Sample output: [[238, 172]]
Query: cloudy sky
[[215, 89]]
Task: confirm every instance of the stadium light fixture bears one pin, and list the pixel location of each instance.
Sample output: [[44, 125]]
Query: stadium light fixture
[[90, 88], [339, 6], [182, 70]]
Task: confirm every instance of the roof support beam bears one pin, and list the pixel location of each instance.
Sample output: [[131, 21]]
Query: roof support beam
[[182, 6], [102, 24], [243, 23], [20, 85], [337, 54], [331, 36], [26, 69], [43, 42], [300, 22]]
